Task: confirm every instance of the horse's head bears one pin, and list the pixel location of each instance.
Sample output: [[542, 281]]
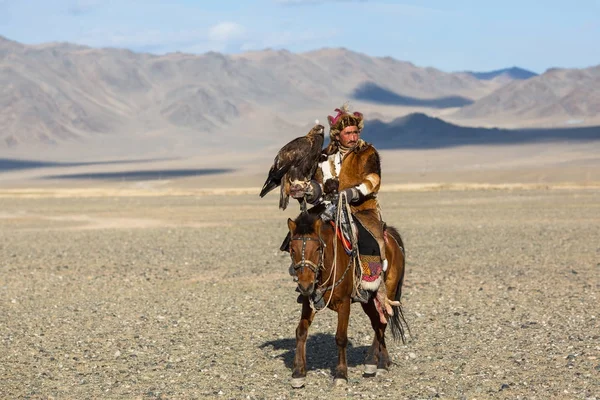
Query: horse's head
[[307, 250]]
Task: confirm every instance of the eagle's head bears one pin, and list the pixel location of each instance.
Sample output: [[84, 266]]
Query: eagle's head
[[318, 129]]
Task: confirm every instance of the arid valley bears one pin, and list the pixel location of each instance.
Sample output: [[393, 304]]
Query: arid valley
[[137, 260]]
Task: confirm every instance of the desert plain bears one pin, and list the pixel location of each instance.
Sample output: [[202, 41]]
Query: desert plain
[[175, 288]]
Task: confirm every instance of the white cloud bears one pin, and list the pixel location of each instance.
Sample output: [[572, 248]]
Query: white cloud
[[226, 31]]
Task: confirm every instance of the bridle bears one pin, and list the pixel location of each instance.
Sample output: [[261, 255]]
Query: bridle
[[319, 291], [316, 298], [315, 268]]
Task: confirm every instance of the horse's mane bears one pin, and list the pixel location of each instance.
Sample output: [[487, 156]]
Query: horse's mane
[[305, 223]]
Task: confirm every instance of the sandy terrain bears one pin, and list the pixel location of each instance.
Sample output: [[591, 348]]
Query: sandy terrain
[[155, 294]]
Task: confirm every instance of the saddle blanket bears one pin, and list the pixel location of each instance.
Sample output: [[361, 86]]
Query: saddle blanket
[[371, 272]]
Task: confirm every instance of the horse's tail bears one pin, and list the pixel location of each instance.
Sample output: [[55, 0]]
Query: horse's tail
[[398, 322]]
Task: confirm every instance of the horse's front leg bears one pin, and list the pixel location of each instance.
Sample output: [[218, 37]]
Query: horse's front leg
[[299, 373], [341, 339]]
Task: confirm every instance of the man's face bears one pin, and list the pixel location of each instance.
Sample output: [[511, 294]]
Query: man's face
[[349, 136]]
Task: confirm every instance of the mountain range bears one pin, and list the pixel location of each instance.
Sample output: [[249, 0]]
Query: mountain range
[[420, 131], [58, 94], [568, 93]]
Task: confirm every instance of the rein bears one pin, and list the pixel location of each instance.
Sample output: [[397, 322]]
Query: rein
[[317, 268], [344, 205], [331, 287]]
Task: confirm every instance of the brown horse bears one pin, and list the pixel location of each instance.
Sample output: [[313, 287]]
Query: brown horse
[[325, 276]]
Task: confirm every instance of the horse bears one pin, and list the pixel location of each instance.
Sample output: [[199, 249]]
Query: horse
[[325, 272]]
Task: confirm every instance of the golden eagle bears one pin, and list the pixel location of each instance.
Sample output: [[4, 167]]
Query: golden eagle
[[295, 164]]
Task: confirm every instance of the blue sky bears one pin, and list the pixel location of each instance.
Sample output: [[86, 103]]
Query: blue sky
[[451, 35]]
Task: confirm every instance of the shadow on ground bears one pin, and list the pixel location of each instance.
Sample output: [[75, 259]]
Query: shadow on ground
[[369, 91], [13, 164], [145, 175], [420, 131], [321, 352]]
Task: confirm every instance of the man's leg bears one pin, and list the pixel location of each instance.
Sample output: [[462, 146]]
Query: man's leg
[[373, 279], [370, 260]]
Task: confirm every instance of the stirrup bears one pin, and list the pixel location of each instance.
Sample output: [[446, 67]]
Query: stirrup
[[362, 296]]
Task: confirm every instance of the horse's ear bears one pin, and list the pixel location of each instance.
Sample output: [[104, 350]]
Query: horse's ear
[[291, 225], [318, 224]]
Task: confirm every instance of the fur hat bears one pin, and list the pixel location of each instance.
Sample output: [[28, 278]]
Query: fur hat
[[342, 120]]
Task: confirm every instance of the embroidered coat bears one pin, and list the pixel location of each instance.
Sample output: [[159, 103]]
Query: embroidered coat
[[359, 168]]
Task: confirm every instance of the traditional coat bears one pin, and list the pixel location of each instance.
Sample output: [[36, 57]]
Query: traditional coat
[[359, 168]]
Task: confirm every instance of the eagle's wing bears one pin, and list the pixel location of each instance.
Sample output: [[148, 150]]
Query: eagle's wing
[[315, 153], [289, 155]]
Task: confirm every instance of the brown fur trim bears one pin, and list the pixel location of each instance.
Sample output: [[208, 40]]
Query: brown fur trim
[[373, 164], [356, 166]]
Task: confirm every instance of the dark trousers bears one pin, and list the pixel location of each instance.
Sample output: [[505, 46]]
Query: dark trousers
[[367, 245]]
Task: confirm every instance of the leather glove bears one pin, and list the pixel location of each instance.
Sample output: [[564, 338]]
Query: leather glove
[[313, 192], [352, 194], [331, 186], [310, 189]]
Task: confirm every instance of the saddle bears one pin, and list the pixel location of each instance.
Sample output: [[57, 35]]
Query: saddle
[[328, 212]]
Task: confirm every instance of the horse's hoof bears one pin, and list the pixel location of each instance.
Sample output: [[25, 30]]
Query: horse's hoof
[[340, 382], [298, 383], [370, 370], [381, 372]]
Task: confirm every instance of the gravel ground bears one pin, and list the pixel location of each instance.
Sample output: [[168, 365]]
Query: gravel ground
[[182, 297]]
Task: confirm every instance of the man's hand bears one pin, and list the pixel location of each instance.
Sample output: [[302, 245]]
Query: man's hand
[[352, 194], [310, 190], [331, 186]]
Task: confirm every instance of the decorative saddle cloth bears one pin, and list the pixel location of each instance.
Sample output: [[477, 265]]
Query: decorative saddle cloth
[[371, 269]]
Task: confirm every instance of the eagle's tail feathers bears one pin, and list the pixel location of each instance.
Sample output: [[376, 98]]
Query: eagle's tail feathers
[[284, 200], [269, 185]]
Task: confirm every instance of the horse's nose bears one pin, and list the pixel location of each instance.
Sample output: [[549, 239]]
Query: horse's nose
[[306, 290]]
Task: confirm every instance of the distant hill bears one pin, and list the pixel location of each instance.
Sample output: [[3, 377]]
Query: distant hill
[[57, 92], [511, 73], [116, 103], [568, 93], [420, 131]]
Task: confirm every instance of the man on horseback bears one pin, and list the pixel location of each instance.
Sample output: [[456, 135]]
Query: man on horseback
[[351, 167]]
